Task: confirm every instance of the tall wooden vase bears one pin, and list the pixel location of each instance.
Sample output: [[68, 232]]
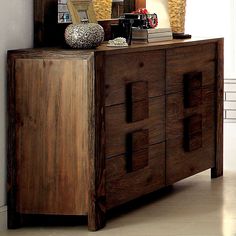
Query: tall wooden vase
[[103, 9], [177, 12]]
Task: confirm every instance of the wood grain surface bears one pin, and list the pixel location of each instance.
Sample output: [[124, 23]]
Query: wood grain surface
[[179, 61], [123, 69], [117, 128], [175, 112], [122, 186], [97, 167], [68, 128], [52, 136], [218, 169], [181, 164]]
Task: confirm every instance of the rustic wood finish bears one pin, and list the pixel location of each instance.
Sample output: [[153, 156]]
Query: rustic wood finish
[[69, 140], [218, 169], [181, 164], [13, 217], [175, 112], [141, 66], [193, 132], [137, 104], [192, 89], [117, 126], [185, 60], [122, 186], [51, 126], [97, 191], [137, 144]]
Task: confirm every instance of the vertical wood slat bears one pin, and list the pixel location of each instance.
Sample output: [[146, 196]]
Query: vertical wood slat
[[97, 188], [218, 169]]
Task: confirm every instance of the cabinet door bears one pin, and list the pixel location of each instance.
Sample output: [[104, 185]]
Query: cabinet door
[[52, 135]]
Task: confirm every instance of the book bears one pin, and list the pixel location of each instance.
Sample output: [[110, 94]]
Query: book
[[150, 33], [151, 30], [167, 38], [152, 40], [154, 35]]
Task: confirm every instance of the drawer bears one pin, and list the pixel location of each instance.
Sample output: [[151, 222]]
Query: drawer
[[176, 113], [123, 186], [122, 69], [183, 62], [181, 163], [117, 127]]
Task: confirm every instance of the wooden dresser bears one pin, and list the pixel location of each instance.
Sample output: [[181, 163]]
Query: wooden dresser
[[91, 130]]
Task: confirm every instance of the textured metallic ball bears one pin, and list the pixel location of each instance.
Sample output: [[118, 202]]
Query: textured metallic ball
[[85, 35]]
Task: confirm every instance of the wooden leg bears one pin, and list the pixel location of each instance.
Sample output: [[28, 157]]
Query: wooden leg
[[97, 205], [216, 172], [97, 168], [13, 219], [218, 169], [97, 220]]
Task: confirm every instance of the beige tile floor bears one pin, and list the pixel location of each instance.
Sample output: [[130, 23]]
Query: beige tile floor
[[195, 206]]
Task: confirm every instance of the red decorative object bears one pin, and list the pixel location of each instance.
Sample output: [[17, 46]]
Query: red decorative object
[[153, 22], [141, 11], [152, 18]]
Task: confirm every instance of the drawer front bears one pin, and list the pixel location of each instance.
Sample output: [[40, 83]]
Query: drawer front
[[176, 112], [182, 163], [123, 185], [182, 63], [190, 134], [123, 69], [117, 127]]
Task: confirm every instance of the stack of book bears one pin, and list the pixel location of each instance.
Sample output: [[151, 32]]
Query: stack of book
[[151, 35]]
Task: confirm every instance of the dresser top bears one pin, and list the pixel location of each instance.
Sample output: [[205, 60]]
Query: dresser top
[[62, 52], [160, 45]]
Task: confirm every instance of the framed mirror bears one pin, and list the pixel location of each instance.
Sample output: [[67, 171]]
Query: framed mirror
[[104, 9], [49, 31]]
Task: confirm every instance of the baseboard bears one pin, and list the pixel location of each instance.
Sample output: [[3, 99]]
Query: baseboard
[[3, 217]]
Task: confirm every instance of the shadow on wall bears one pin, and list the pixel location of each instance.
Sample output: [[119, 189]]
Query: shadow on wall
[[16, 31]]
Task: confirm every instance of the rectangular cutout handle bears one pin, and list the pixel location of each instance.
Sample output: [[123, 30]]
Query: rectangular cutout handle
[[193, 133], [137, 150], [137, 104], [192, 89]]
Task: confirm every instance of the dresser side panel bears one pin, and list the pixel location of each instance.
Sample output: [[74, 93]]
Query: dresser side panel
[[52, 136]]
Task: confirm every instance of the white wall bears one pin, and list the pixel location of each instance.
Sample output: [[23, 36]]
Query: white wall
[[16, 31], [215, 18]]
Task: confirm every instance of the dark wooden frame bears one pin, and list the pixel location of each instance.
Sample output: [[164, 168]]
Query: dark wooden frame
[[47, 31]]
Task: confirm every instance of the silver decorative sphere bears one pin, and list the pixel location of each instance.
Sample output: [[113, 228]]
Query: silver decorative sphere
[[84, 35]]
